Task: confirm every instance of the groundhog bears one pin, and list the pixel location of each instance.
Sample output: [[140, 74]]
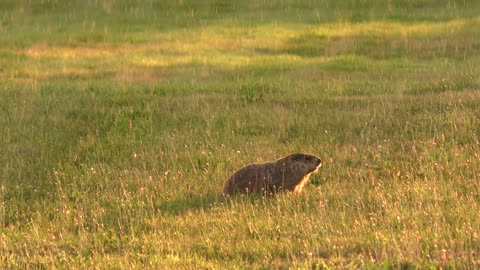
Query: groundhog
[[288, 173]]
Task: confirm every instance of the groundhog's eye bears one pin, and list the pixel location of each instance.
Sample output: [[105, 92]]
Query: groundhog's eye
[[308, 158]]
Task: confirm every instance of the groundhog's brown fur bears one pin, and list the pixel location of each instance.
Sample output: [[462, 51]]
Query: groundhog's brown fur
[[288, 173]]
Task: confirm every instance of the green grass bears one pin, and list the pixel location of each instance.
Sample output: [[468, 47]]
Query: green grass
[[121, 120]]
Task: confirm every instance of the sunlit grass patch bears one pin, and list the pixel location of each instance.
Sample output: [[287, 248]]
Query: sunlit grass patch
[[233, 48], [384, 39]]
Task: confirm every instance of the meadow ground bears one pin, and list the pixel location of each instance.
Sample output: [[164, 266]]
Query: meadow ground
[[121, 120]]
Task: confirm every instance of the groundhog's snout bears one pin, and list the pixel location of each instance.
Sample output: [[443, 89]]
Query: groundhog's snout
[[319, 162]]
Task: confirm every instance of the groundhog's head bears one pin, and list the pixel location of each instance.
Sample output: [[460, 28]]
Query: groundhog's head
[[303, 163]]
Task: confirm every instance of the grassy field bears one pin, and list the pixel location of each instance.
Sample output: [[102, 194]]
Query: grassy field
[[121, 120]]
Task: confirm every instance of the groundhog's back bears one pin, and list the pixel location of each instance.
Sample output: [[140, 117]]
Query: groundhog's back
[[251, 178]]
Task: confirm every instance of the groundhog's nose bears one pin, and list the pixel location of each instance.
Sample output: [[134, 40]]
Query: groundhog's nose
[[319, 162]]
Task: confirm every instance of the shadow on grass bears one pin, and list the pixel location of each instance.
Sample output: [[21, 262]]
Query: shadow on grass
[[191, 202]]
